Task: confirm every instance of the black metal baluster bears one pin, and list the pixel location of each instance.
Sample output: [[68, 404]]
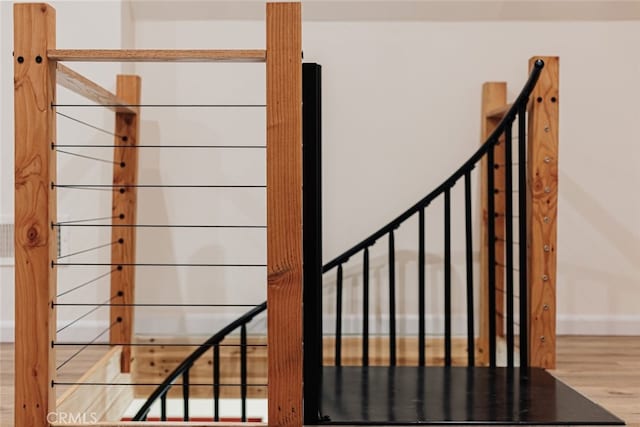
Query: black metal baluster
[[522, 236], [338, 349], [508, 160], [421, 290], [447, 277], [392, 300], [163, 407], [185, 394], [491, 241], [216, 383], [365, 308], [243, 371], [471, 360]]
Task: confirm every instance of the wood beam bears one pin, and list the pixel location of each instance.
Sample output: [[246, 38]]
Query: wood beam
[[124, 205], [156, 55], [494, 96], [81, 85], [542, 216], [284, 212], [35, 212]]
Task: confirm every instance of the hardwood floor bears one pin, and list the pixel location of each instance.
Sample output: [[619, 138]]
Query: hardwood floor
[[605, 369], [70, 372]]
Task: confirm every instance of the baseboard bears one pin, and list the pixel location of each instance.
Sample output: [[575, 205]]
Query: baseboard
[[598, 325]]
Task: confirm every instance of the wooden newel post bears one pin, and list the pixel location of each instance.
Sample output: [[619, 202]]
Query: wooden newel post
[[284, 213], [542, 171], [35, 213], [125, 172], [494, 95]]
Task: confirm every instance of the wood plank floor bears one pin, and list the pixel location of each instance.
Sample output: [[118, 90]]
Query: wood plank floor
[[70, 372], [605, 369]]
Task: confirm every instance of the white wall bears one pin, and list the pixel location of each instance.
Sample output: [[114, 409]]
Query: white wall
[[95, 24], [401, 99]]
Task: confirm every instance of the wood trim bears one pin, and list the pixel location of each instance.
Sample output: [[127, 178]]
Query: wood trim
[[125, 171], [494, 96], [81, 85], [284, 212], [157, 55], [542, 216], [77, 400], [35, 211], [498, 112]]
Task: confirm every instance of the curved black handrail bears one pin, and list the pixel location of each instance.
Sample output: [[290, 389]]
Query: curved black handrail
[[518, 105], [491, 141], [187, 363]]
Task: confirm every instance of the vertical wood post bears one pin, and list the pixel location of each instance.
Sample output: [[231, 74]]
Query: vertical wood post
[[284, 212], [494, 95], [35, 213], [542, 170], [125, 171]]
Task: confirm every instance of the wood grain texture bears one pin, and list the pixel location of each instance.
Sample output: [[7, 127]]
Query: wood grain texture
[[284, 212], [124, 210], [157, 55], [498, 112], [494, 95], [542, 215], [35, 211], [98, 401], [81, 85], [153, 363], [407, 351], [500, 204]]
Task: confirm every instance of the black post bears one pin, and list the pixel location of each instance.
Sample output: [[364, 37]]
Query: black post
[[338, 348], [185, 394], [312, 243], [508, 214], [163, 407], [421, 289], [216, 383], [471, 349], [392, 300], [243, 372], [365, 307], [522, 237], [447, 277], [491, 240]]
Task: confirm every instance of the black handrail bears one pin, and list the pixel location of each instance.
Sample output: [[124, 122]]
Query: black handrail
[[517, 109], [501, 134], [183, 368], [469, 165]]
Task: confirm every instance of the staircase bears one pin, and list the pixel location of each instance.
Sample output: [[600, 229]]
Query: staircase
[[365, 378]]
